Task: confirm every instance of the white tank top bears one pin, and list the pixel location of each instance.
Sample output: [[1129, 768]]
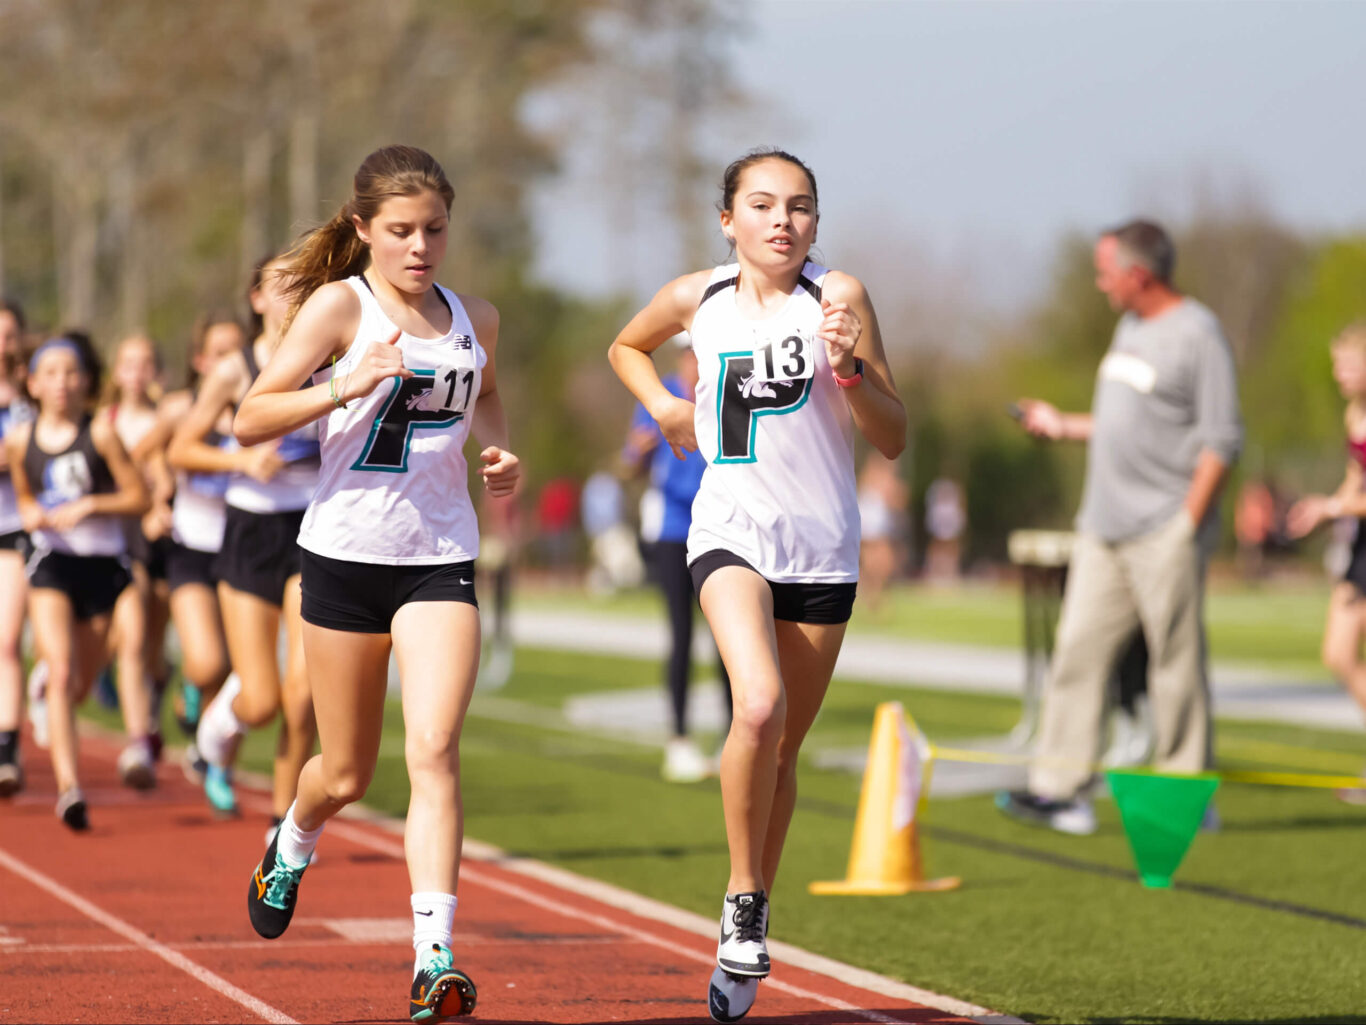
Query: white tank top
[[17, 412], [778, 438], [292, 487], [393, 488]]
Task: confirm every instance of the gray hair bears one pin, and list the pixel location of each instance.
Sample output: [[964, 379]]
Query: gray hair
[[1146, 244]]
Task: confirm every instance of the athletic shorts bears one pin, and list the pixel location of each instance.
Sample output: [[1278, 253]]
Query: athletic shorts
[[260, 552], [189, 566], [14, 541], [362, 597], [92, 582], [151, 554], [794, 603]]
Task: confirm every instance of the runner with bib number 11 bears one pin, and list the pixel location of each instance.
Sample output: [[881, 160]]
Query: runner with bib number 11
[[400, 373], [790, 363]]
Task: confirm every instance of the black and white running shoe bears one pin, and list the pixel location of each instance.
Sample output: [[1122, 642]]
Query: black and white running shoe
[[729, 997], [744, 925]]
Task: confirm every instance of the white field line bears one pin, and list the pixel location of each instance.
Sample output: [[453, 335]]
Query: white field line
[[659, 911], [140, 939]]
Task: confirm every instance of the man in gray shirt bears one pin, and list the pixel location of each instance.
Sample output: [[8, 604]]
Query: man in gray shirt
[[1163, 430]]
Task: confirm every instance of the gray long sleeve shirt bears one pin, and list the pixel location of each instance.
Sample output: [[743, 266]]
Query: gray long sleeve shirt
[[1165, 392]]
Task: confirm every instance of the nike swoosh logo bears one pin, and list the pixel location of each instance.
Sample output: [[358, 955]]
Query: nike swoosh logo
[[427, 913], [466, 583]]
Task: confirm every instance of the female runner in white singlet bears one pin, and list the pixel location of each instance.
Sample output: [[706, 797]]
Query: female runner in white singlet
[[14, 410], [402, 373], [790, 362], [257, 566]]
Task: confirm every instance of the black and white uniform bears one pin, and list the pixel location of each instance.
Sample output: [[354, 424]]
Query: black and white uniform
[[778, 494], [392, 521], [199, 514], [85, 562], [12, 536], [152, 555], [260, 536]]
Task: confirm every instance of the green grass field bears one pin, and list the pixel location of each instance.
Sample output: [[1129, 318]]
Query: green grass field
[[1266, 924], [1277, 623]]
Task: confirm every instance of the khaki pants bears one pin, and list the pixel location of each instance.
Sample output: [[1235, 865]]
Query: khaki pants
[[1156, 581]]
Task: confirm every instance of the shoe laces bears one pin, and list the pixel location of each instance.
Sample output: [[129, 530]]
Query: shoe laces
[[749, 920], [281, 883]]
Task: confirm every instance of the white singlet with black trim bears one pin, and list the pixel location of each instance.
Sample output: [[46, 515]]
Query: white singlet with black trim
[[393, 489], [778, 438]]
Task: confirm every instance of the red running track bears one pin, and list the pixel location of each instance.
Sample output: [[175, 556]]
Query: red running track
[[143, 919]]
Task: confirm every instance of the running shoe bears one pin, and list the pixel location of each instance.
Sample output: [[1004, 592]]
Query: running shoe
[[218, 789], [1075, 817], [744, 925], [136, 767], [188, 709], [272, 893], [11, 778], [37, 703], [729, 997], [684, 761], [71, 810], [440, 990]]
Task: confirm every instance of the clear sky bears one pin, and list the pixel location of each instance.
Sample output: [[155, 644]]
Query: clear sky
[[969, 133]]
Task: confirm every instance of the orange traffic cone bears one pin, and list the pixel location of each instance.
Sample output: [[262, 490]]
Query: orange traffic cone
[[885, 856]]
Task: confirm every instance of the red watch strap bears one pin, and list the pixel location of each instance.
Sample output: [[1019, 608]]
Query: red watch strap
[[849, 382]]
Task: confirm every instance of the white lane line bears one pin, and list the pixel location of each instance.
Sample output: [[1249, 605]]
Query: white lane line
[[215, 982], [481, 878]]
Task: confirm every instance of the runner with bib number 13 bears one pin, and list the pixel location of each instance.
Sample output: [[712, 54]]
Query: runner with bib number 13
[[790, 362]]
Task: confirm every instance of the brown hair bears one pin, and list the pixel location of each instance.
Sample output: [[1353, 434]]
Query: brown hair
[[200, 332], [1147, 244], [334, 251], [730, 181]]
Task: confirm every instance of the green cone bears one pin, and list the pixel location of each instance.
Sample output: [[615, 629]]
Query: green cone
[[1161, 816]]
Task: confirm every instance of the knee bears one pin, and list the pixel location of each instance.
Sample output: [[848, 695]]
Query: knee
[[346, 784], [204, 670], [760, 715], [61, 677], [255, 710], [432, 752]]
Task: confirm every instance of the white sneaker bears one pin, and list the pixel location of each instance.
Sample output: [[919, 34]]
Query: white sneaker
[[729, 997], [219, 729], [37, 703], [135, 766], [1076, 816], [744, 925], [1131, 738], [684, 761]]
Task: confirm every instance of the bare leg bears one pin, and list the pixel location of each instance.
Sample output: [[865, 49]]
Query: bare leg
[[350, 672], [807, 654], [204, 653], [252, 628], [54, 642], [1342, 637], [13, 600], [437, 645], [738, 605], [299, 730], [128, 634]]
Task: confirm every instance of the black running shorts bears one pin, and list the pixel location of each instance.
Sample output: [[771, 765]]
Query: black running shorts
[[14, 541], [794, 603], [189, 566], [362, 597], [260, 552], [93, 583]]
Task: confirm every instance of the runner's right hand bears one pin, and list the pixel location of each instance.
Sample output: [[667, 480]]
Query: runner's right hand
[[675, 419], [262, 462], [381, 361]]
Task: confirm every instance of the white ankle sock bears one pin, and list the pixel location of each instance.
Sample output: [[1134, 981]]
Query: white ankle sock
[[433, 919], [294, 844], [219, 727]]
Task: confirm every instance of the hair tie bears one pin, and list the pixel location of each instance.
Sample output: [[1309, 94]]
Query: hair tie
[[55, 345]]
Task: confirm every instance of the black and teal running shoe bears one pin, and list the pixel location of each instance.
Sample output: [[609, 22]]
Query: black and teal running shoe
[[271, 894], [440, 990]]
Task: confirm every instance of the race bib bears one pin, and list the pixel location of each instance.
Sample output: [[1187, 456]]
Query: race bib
[[790, 359], [453, 385]]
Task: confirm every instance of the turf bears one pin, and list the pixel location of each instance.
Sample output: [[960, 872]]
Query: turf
[[1266, 924], [1277, 624]]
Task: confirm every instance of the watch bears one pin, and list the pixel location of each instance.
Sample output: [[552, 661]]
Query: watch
[[849, 382]]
